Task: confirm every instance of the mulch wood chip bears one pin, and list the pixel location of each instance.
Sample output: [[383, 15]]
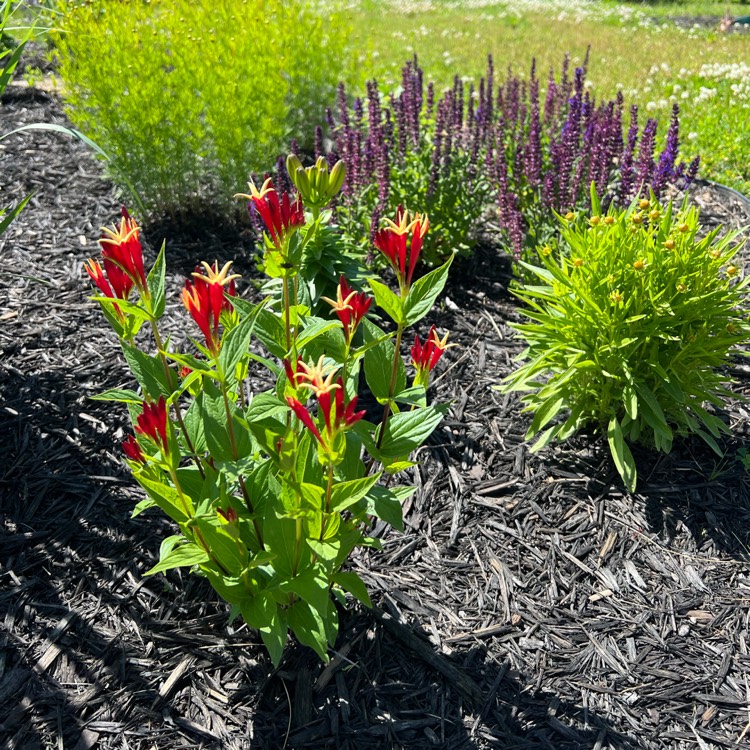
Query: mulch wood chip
[[530, 603]]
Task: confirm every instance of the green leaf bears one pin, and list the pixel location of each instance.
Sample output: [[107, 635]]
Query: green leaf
[[264, 407], [652, 413], [275, 635], [385, 503], [123, 395], [186, 555], [388, 301], [166, 497], [351, 582], [379, 363], [147, 370], [406, 431], [545, 414], [621, 454], [308, 626], [144, 504], [236, 343], [346, 494], [5, 220], [314, 328], [224, 548], [415, 396], [424, 292], [155, 283], [270, 331], [596, 206], [311, 586], [279, 537]]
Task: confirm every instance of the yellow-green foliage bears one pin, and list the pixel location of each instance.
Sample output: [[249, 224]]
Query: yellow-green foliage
[[187, 97]]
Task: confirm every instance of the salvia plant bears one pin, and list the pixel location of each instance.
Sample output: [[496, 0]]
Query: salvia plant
[[272, 491], [629, 331], [510, 146]]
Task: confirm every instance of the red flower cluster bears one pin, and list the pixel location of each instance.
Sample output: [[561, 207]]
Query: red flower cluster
[[350, 306], [393, 243], [280, 217], [123, 260], [337, 415], [425, 356], [152, 423], [204, 298]]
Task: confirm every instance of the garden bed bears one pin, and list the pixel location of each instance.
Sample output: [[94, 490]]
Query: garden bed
[[530, 603]]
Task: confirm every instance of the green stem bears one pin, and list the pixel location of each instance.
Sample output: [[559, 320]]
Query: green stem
[[392, 386], [235, 456], [329, 491], [170, 382], [287, 322]]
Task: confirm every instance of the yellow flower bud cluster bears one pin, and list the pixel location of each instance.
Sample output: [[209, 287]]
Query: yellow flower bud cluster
[[316, 185]]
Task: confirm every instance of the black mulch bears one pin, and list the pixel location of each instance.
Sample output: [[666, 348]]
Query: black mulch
[[531, 602]]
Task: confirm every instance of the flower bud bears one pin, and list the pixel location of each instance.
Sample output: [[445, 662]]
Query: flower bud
[[669, 244], [336, 179], [609, 220], [643, 204]]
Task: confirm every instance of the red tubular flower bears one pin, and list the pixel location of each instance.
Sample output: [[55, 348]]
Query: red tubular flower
[[304, 417], [280, 217], [133, 451], [152, 423], [425, 356], [114, 283], [345, 414], [121, 249], [392, 242], [204, 298], [350, 307]]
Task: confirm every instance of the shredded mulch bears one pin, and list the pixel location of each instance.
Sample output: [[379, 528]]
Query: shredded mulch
[[530, 603]]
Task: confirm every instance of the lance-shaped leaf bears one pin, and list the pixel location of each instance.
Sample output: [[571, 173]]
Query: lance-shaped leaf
[[424, 292]]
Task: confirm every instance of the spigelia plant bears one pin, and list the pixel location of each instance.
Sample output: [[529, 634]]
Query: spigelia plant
[[512, 147], [188, 98], [630, 330], [272, 491]]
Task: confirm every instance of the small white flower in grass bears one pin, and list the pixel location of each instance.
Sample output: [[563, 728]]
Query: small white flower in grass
[[651, 106], [692, 136], [685, 94]]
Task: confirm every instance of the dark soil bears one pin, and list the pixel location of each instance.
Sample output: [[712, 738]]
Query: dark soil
[[530, 603]]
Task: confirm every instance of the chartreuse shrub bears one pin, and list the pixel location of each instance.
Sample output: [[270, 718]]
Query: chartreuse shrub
[[629, 328], [187, 97], [273, 489]]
